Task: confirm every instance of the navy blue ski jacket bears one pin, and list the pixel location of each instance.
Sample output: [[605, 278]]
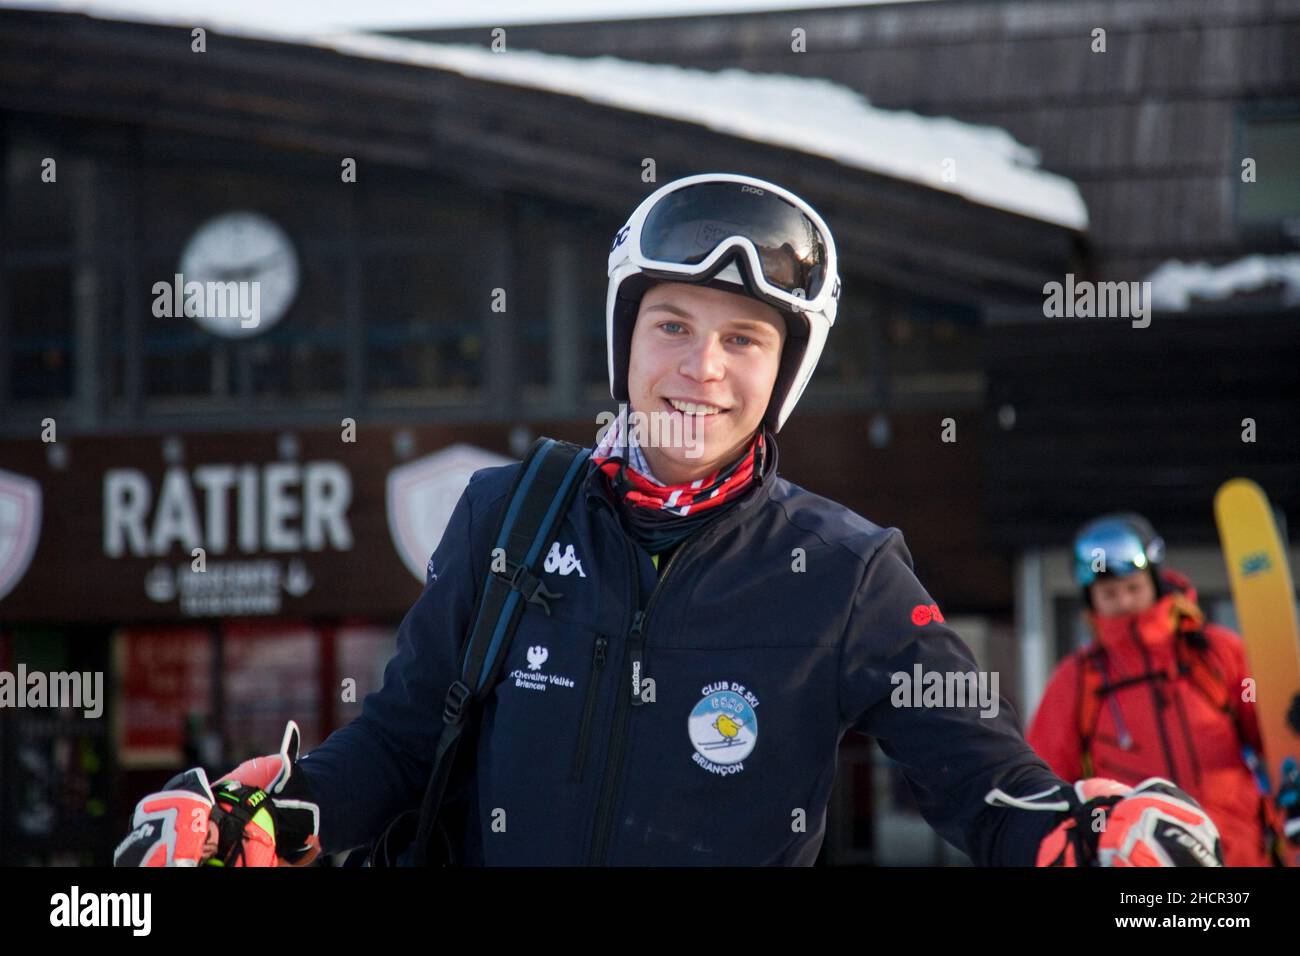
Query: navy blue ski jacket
[[764, 638]]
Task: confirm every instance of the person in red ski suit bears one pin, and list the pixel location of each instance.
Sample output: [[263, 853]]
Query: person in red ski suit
[[1157, 692]]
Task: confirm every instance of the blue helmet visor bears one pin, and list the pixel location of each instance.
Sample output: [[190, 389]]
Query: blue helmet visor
[[1113, 547]]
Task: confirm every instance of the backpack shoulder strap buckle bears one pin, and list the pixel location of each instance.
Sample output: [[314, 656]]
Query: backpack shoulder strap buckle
[[453, 708], [529, 585]]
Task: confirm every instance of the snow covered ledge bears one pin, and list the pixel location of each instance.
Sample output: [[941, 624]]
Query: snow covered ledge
[[984, 164], [1175, 283]]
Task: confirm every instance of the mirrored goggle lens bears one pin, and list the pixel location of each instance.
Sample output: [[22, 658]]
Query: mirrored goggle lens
[[688, 224], [1109, 550]]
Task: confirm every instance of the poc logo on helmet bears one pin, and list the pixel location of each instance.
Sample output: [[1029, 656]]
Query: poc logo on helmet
[[752, 189]]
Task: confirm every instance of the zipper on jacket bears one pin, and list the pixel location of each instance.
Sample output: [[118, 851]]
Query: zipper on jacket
[[1187, 733], [636, 657], [1158, 700], [589, 708], [623, 712]]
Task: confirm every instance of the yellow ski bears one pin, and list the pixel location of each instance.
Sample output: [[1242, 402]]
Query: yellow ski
[[1264, 596]]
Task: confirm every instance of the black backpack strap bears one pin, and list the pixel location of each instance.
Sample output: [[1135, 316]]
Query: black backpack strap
[[543, 489], [554, 469]]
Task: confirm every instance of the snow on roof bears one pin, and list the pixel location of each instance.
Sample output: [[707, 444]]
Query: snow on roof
[[435, 14], [806, 114], [983, 164], [1175, 283]]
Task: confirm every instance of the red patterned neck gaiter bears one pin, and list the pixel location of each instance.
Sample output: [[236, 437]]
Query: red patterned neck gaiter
[[661, 516], [684, 499]]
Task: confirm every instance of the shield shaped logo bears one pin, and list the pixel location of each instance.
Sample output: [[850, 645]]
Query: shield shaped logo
[[422, 495], [20, 527]]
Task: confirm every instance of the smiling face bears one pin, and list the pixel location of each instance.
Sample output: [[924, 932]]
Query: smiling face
[[719, 352]]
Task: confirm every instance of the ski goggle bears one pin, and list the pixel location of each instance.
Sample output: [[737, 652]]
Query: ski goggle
[[780, 241], [1113, 547]]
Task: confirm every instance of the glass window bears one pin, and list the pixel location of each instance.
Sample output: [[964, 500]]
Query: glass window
[[166, 688], [179, 358], [60, 243], [271, 675], [41, 353], [394, 204], [423, 329], [57, 765], [847, 360], [1274, 197], [420, 249], [933, 347], [189, 189], [530, 290], [426, 289], [186, 181], [38, 214], [363, 651], [591, 255], [302, 356]]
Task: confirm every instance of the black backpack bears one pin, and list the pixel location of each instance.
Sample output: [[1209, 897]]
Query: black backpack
[[543, 489]]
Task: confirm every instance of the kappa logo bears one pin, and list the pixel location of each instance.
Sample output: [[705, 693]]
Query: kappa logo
[[565, 563], [723, 727], [537, 657]]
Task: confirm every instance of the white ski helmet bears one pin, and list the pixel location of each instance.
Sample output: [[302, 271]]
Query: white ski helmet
[[738, 234]]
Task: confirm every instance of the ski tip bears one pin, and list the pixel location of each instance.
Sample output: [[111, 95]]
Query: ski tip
[[1235, 487], [1244, 483]]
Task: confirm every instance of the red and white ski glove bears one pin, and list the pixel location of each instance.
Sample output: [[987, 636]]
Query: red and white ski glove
[[1113, 824], [259, 814], [189, 824], [297, 814]]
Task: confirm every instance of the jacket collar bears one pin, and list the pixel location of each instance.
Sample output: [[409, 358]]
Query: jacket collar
[[596, 486]]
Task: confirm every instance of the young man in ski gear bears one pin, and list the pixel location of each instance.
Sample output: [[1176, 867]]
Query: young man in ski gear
[[721, 628], [1158, 691]]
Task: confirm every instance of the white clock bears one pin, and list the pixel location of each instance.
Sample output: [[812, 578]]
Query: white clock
[[243, 248]]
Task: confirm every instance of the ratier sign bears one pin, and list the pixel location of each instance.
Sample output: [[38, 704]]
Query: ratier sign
[[181, 527]]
